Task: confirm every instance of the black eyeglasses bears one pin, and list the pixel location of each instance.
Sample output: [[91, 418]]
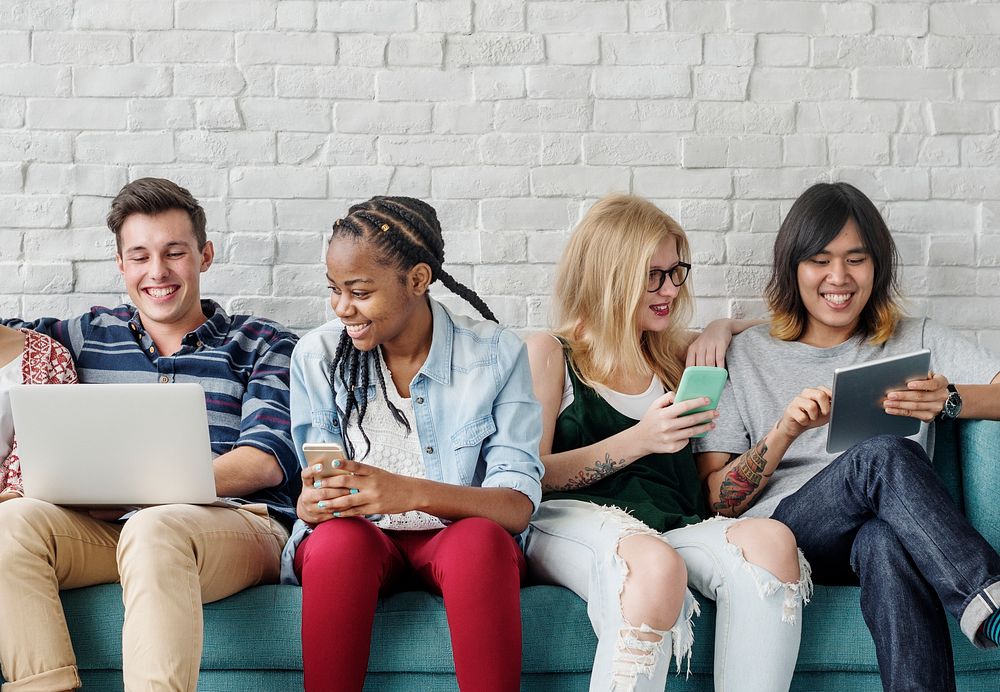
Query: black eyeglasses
[[678, 275]]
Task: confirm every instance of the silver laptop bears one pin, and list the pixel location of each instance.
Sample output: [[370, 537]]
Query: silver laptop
[[858, 392], [114, 444]]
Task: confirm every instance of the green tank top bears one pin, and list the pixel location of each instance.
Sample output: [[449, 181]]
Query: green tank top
[[661, 490]]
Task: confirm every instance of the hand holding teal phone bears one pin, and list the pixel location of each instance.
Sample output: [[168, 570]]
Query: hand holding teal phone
[[698, 381]]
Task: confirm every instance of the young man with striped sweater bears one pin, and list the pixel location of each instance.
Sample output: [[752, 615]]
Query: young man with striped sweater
[[169, 559]]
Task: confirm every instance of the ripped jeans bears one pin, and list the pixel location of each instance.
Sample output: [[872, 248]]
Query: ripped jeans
[[758, 624]]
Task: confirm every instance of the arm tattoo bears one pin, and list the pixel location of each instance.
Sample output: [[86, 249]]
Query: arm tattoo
[[743, 479], [591, 474]]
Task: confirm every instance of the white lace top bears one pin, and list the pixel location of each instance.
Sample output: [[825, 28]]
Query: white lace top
[[394, 450]]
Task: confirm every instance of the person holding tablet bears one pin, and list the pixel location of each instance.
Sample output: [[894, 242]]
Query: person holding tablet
[[877, 514], [436, 416], [26, 357], [623, 518]]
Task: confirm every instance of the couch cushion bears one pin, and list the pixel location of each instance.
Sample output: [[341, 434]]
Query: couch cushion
[[980, 450], [258, 629]]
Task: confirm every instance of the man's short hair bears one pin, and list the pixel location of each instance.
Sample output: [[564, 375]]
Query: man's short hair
[[153, 196]]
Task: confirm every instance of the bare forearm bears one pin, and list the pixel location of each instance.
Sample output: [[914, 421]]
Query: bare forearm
[[245, 470], [579, 468], [738, 326], [735, 486], [506, 506], [980, 401]]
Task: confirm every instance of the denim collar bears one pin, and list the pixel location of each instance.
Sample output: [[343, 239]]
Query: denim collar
[[438, 364]]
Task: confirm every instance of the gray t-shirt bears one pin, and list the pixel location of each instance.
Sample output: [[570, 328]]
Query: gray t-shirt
[[765, 374]]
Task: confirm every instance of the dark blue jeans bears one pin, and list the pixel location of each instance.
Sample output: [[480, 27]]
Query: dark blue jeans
[[878, 515]]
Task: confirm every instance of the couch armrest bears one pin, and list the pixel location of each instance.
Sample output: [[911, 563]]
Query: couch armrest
[[979, 447]]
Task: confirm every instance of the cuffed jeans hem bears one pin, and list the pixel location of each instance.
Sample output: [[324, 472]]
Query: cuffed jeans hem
[[983, 603], [65, 678]]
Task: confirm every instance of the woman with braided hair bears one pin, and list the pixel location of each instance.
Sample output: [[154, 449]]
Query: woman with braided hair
[[441, 430]]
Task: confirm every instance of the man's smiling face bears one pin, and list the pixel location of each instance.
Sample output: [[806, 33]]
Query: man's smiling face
[[161, 265], [835, 285]]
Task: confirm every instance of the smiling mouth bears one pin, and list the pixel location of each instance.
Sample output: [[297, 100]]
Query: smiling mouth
[[837, 299], [356, 330], [661, 309], [160, 292]]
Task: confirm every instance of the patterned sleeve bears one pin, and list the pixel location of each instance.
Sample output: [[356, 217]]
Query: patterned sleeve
[[10, 473], [266, 424], [46, 361]]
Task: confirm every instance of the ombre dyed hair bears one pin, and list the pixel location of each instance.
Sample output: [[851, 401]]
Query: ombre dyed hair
[[816, 218], [601, 287]]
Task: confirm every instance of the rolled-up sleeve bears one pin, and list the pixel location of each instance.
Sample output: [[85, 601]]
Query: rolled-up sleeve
[[511, 453]]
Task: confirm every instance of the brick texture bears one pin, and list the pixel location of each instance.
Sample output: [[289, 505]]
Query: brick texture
[[511, 117]]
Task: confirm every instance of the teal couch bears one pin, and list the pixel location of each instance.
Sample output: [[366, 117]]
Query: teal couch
[[252, 639]]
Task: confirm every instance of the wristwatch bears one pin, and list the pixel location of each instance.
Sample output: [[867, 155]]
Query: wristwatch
[[952, 405]]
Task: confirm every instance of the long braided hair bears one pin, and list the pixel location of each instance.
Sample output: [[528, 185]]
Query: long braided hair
[[403, 232]]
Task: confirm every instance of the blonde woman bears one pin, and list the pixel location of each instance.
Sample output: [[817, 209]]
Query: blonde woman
[[623, 521]]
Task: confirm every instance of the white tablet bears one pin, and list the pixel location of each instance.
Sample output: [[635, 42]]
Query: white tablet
[[858, 393]]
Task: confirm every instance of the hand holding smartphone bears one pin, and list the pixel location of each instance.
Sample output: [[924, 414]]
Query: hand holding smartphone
[[320, 457], [701, 381]]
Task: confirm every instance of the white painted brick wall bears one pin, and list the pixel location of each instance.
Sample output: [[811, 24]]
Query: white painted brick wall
[[511, 117]]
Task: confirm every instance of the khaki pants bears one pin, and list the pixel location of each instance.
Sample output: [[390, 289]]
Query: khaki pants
[[169, 559]]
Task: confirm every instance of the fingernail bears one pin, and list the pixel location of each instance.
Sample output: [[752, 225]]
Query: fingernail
[[321, 504], [318, 467], [317, 484], [336, 463], [354, 491]]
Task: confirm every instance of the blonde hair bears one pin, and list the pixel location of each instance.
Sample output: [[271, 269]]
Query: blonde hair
[[600, 289]]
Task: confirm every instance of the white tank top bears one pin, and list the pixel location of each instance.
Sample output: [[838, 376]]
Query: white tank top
[[629, 405]]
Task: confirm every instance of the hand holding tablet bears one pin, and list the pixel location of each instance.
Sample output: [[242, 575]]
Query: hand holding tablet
[[923, 398], [859, 396]]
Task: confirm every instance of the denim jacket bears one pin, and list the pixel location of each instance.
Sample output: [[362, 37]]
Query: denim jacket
[[476, 415]]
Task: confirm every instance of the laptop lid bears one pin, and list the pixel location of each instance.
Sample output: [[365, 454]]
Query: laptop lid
[[114, 444], [858, 392]]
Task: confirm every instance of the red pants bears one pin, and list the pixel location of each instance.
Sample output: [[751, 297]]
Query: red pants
[[345, 564]]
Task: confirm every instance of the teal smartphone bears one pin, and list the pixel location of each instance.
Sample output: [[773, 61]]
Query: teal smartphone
[[698, 381]]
